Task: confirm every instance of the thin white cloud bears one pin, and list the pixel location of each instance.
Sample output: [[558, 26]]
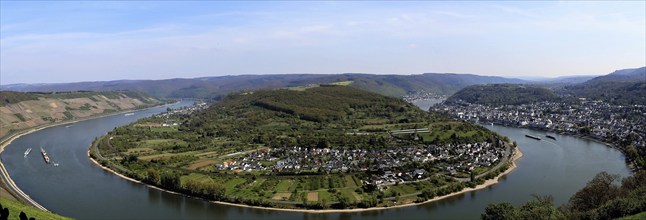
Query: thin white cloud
[[450, 38]]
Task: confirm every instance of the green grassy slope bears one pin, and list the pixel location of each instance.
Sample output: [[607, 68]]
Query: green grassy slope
[[16, 207]]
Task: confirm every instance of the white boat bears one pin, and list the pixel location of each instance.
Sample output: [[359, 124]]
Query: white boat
[[55, 164], [129, 114], [27, 152]]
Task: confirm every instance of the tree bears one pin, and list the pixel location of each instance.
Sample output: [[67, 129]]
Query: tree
[[152, 176], [324, 203], [344, 202], [541, 207], [23, 216], [598, 191], [4, 213], [304, 199], [170, 180], [427, 194], [500, 211]]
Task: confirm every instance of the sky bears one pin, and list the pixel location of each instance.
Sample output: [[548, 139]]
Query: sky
[[50, 42]]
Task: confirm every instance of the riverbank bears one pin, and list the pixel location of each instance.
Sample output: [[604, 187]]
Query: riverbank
[[516, 154], [10, 185], [629, 163]]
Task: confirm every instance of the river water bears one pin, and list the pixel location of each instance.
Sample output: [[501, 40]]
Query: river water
[[79, 189]]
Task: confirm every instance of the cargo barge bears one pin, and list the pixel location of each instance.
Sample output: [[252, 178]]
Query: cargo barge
[[45, 157]]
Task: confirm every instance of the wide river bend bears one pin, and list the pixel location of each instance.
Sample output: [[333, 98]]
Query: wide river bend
[[79, 189]]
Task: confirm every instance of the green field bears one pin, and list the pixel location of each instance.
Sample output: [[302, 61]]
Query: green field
[[16, 207], [284, 185], [342, 83]]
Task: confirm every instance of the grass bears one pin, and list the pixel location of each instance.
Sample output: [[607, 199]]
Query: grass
[[164, 129], [159, 143], [350, 194], [403, 189], [156, 156], [325, 195], [257, 183], [281, 196], [641, 215], [200, 163], [195, 176], [139, 150], [349, 181], [283, 185], [16, 207], [232, 183], [342, 83]]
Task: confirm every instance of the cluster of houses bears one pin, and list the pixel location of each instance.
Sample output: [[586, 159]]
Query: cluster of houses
[[596, 119], [392, 163], [188, 110], [422, 95]]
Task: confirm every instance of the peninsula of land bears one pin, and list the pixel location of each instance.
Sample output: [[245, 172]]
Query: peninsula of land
[[320, 148]]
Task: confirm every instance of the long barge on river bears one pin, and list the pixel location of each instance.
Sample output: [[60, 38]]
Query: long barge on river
[[533, 137], [45, 157]]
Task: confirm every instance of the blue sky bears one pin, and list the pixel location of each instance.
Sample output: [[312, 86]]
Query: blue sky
[[45, 42]]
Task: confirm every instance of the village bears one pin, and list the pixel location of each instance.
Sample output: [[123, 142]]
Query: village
[[387, 166], [594, 119], [188, 110]]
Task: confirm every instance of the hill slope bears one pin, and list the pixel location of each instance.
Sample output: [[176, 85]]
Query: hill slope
[[323, 113], [622, 87], [16, 207], [20, 110], [624, 75], [503, 94], [217, 87]]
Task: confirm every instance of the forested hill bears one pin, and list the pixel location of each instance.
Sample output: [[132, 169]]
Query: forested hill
[[622, 87], [19, 110], [218, 87], [323, 104], [319, 116], [503, 94]]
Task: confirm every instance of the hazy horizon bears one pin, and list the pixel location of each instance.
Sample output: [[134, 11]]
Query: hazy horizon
[[61, 42], [528, 78]]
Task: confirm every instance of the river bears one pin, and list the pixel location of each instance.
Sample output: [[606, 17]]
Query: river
[[79, 189]]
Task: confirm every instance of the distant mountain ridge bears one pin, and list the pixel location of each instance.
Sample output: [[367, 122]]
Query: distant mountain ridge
[[217, 87], [624, 75], [566, 79], [626, 86]]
